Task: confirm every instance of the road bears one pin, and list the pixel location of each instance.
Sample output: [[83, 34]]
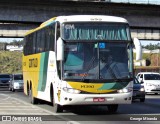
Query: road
[[16, 103]]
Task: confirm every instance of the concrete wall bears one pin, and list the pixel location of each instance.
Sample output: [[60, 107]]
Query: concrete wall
[[15, 30], [153, 34], [143, 19], [40, 10]]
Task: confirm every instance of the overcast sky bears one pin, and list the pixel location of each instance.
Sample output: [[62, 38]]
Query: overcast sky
[[9, 39], [138, 1], [146, 42]]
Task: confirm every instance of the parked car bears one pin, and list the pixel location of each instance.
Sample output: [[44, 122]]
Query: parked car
[[151, 81], [16, 83], [138, 90], [5, 80]]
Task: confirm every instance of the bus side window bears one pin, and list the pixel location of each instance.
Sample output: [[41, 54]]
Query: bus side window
[[52, 37], [42, 40], [57, 30], [38, 42], [47, 39], [34, 43], [30, 44]]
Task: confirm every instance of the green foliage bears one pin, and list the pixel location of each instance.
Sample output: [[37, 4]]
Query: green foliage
[[152, 46], [144, 55], [10, 62], [16, 43]]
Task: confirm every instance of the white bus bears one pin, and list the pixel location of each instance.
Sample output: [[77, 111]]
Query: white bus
[[79, 60]]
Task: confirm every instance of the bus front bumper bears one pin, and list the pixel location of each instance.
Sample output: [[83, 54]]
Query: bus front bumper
[[95, 99]]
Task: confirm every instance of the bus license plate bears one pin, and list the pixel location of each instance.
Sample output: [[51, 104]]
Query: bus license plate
[[98, 99]]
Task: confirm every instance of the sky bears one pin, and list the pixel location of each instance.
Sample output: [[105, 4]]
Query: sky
[[8, 40], [146, 42], [138, 1]]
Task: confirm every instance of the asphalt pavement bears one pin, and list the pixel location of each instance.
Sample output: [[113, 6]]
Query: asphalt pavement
[[16, 104]]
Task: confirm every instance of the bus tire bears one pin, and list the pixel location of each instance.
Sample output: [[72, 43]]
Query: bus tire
[[28, 89], [56, 107], [33, 100], [113, 108]]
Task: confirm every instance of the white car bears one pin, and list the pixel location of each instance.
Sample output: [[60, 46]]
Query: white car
[[151, 81], [16, 83]]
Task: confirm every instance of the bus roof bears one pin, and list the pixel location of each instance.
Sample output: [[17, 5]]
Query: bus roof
[[77, 18], [90, 18]]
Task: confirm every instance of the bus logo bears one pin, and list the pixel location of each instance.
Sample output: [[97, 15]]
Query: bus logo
[[87, 86], [69, 26], [33, 63]]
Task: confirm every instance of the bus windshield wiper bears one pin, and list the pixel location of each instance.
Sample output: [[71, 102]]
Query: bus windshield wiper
[[123, 79]]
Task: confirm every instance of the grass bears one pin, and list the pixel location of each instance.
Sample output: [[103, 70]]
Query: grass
[[144, 55], [153, 57]]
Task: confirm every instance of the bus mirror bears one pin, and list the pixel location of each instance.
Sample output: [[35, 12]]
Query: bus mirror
[[138, 48], [60, 49]]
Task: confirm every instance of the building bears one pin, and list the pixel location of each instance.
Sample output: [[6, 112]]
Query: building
[[14, 48]]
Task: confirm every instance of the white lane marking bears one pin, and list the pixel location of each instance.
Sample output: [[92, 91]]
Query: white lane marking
[[19, 109], [5, 103], [3, 99], [16, 106], [69, 121], [19, 113]]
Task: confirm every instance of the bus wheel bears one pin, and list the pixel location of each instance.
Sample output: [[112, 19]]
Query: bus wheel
[[32, 99], [28, 90], [112, 108], [56, 107]]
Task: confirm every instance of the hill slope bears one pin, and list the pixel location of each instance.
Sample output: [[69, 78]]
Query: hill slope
[[10, 62]]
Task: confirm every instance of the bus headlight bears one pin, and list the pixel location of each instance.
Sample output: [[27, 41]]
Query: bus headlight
[[125, 90], [71, 90]]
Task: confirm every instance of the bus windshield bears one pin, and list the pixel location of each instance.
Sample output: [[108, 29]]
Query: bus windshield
[[96, 31], [96, 60]]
